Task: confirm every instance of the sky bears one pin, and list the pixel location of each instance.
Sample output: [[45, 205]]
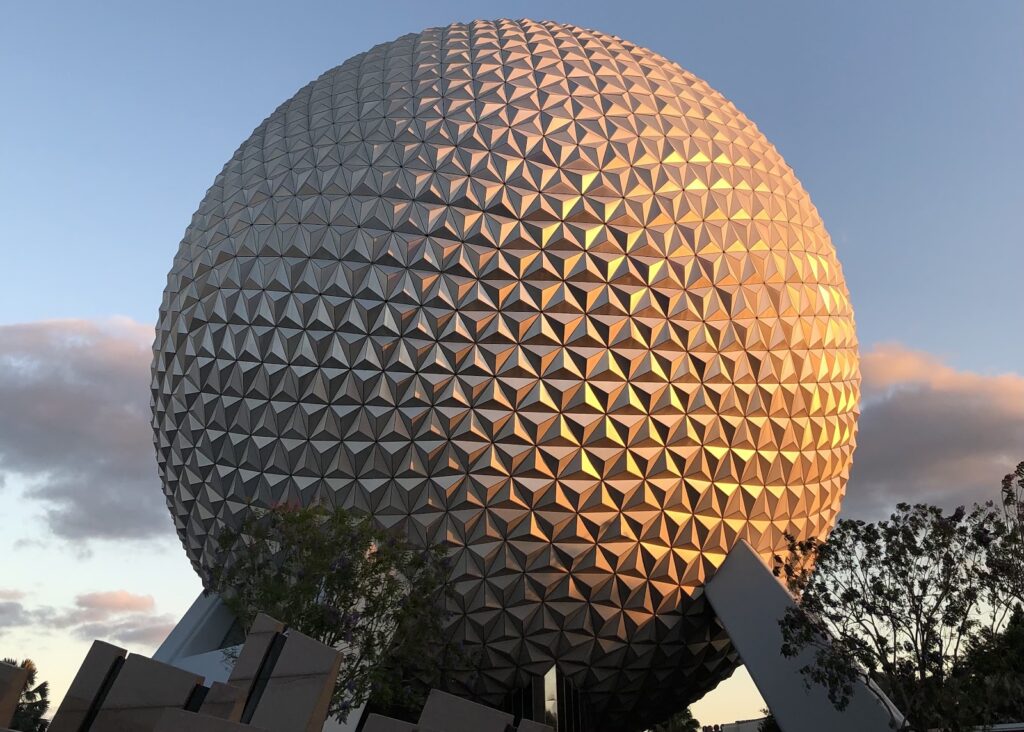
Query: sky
[[902, 120]]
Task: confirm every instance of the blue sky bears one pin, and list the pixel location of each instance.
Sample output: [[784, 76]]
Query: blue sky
[[901, 119]]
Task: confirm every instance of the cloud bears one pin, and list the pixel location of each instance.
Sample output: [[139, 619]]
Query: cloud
[[120, 616], [117, 601], [75, 425], [6, 594], [135, 630], [97, 606], [117, 615], [13, 614], [932, 433]]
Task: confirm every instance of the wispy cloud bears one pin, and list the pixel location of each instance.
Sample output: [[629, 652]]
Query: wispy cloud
[[932, 433], [116, 601], [133, 631], [75, 428], [118, 616], [98, 606]]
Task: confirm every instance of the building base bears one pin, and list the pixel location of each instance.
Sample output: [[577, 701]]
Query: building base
[[747, 598]]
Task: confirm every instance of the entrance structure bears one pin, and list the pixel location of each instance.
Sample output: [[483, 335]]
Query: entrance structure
[[537, 294]]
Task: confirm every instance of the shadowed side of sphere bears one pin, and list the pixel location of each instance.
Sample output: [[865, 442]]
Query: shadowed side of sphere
[[539, 294]]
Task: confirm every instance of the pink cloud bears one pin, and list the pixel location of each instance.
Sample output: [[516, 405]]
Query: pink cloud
[[932, 433], [113, 615], [116, 601], [892, 365]]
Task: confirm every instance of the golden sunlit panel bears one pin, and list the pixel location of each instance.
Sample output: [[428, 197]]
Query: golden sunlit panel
[[518, 274]]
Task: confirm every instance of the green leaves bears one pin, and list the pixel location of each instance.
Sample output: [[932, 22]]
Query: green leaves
[[337, 578]]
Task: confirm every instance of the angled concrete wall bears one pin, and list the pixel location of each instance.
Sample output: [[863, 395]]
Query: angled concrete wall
[[12, 681], [750, 601]]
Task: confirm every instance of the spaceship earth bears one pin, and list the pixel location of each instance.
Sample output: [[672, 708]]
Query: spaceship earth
[[538, 294]]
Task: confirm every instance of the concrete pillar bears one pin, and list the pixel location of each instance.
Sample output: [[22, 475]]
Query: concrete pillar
[[224, 702], [179, 720], [12, 682], [143, 690], [297, 695], [251, 658], [95, 676], [377, 723], [454, 714]]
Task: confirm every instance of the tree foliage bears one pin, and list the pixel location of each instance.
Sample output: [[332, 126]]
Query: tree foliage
[[768, 724], [916, 604], [994, 671], [34, 701], [340, 580], [1009, 563]]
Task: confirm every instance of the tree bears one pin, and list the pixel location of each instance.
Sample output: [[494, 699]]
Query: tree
[[681, 721], [994, 667], [338, 579], [768, 724], [902, 603], [34, 701], [1009, 564]]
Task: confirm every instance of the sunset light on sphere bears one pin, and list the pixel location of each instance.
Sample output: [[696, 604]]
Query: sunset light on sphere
[[540, 295]]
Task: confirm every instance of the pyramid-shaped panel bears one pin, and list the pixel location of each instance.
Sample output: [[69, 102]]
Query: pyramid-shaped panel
[[535, 293]]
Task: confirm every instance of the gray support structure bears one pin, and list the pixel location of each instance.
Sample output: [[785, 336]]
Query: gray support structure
[[297, 695], [749, 600], [12, 681], [198, 641], [453, 714], [179, 720], [92, 682], [377, 723], [140, 694]]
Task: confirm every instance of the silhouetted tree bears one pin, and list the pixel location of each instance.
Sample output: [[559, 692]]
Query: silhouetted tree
[[911, 603], [768, 724], [994, 671], [34, 701], [1009, 563]]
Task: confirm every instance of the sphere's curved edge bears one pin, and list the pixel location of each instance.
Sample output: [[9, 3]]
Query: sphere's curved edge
[[535, 293]]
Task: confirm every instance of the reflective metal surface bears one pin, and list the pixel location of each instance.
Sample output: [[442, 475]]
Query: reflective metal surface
[[540, 294]]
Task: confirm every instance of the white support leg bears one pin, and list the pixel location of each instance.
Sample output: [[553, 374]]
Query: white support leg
[[750, 601]]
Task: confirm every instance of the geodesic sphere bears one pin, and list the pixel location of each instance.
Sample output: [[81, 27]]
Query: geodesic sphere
[[536, 293]]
